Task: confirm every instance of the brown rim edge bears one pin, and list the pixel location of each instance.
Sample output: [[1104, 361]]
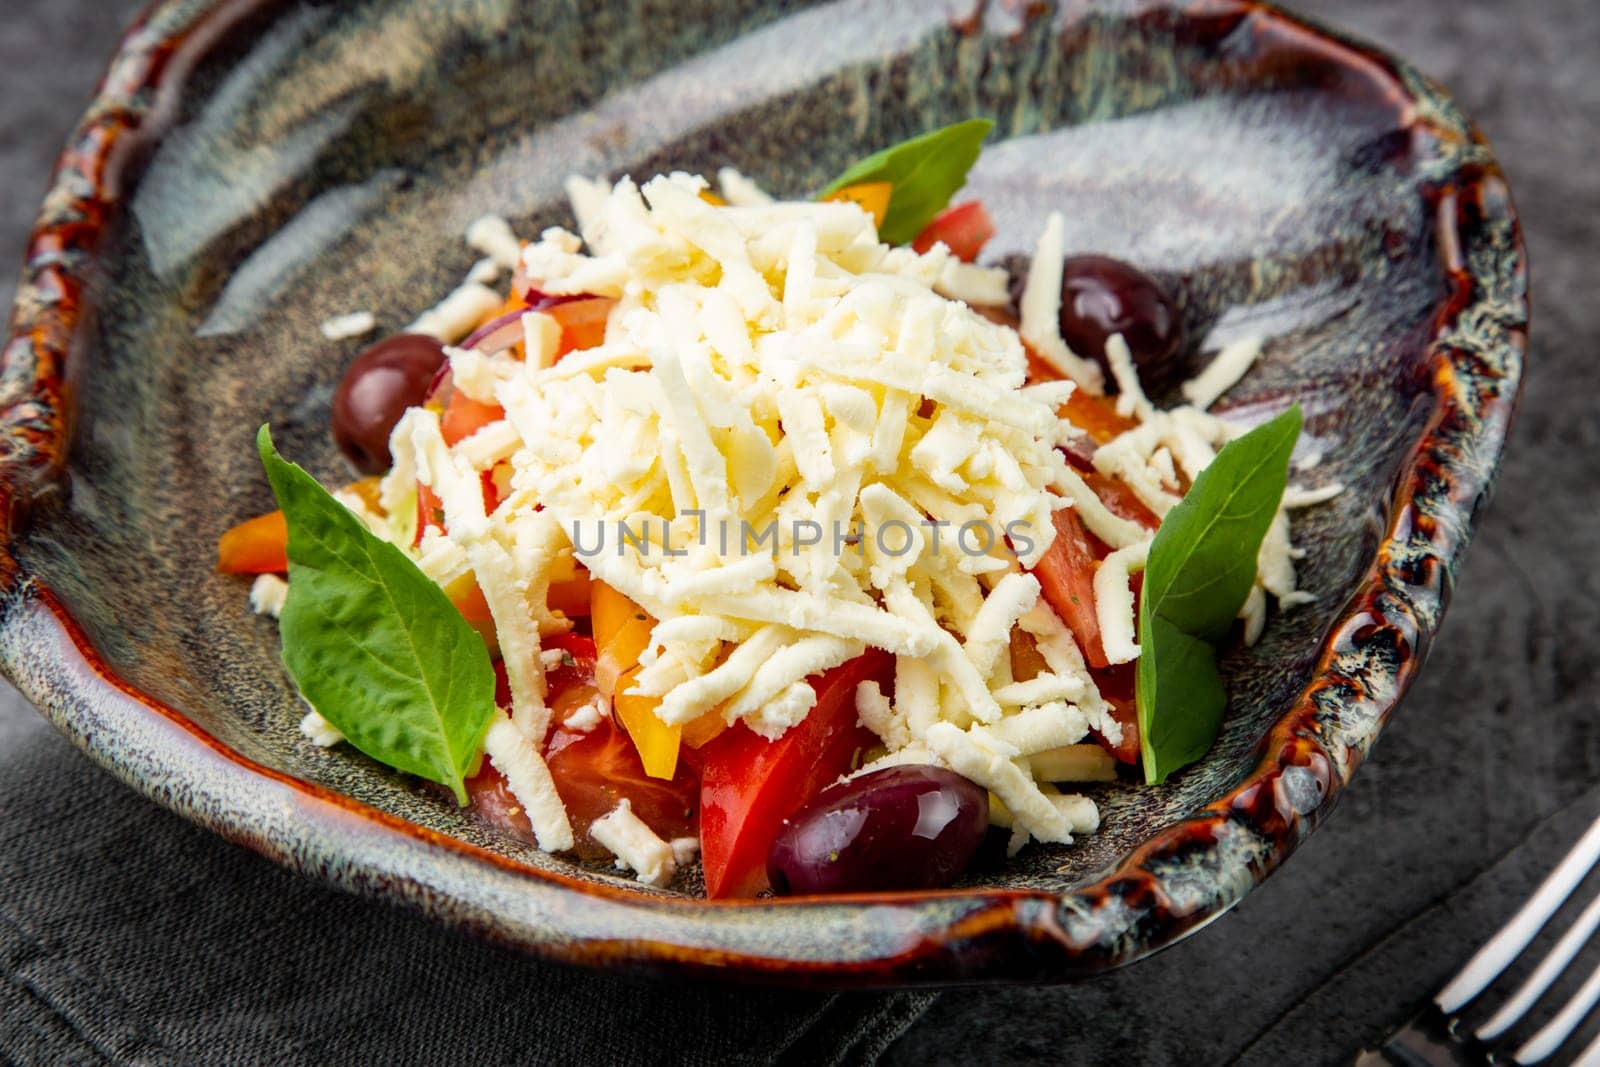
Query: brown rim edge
[[1364, 666]]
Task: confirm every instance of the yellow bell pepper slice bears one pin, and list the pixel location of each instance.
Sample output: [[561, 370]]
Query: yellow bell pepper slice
[[712, 198], [872, 196], [657, 742], [697, 732], [621, 632]]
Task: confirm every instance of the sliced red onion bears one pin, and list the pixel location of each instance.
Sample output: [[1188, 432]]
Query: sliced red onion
[[539, 300], [497, 334], [1079, 450], [440, 388]]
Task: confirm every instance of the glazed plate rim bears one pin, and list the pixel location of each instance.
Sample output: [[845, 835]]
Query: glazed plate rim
[[970, 934]]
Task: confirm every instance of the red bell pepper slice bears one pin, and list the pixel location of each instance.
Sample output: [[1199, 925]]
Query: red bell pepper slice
[[749, 784]]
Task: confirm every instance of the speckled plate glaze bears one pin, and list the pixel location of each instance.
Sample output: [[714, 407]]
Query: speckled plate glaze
[[250, 168]]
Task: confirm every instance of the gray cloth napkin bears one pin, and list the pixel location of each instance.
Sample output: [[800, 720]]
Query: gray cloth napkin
[[129, 936]]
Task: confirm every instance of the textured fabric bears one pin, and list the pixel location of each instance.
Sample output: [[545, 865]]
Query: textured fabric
[[129, 936]]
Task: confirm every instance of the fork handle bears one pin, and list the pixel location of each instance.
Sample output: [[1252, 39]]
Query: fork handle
[[1426, 1040]]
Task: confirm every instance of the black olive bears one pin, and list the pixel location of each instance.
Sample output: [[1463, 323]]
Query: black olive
[[378, 387], [907, 827]]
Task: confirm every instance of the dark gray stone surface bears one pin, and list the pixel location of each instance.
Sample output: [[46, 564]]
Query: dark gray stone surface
[[1491, 765]]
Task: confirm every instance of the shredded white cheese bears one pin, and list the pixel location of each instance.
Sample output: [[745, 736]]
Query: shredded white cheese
[[492, 236], [268, 593], [587, 717], [1223, 372], [793, 443], [320, 731], [741, 191], [635, 845], [1297, 497], [514, 756], [1113, 601], [1041, 309], [458, 314], [344, 327], [685, 849]]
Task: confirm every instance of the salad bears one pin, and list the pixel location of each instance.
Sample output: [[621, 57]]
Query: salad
[[780, 533]]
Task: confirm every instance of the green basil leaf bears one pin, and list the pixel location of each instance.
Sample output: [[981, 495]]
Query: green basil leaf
[[925, 171], [1179, 684], [374, 645], [1201, 566]]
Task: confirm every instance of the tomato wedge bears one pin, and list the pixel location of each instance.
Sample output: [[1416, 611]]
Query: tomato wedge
[[1121, 500], [593, 770], [964, 229], [1118, 685], [1066, 580], [749, 784], [255, 546], [464, 416], [582, 322]]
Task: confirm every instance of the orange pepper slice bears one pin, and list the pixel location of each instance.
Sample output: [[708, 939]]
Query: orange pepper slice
[[872, 196], [255, 546]]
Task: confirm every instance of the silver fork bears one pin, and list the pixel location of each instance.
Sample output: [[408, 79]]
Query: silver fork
[[1442, 1039]]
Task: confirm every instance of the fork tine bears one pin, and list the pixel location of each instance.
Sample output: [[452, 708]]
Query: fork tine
[[1558, 1029], [1486, 965], [1547, 972]]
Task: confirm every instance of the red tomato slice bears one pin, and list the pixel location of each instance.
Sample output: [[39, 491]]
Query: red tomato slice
[[583, 322], [964, 228], [577, 667], [1066, 580], [464, 417], [597, 770], [749, 784], [430, 512], [593, 770], [1121, 500], [1119, 687]]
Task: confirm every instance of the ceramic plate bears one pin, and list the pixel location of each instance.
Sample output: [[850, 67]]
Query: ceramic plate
[[252, 168]]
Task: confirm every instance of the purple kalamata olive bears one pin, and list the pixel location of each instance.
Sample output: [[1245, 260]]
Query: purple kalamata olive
[[379, 385], [1101, 296], [908, 827]]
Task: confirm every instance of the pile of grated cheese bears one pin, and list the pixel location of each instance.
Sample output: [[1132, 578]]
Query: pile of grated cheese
[[815, 445]]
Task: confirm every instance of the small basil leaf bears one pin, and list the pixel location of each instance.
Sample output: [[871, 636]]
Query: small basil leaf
[[1200, 568], [925, 171], [374, 645], [1179, 684]]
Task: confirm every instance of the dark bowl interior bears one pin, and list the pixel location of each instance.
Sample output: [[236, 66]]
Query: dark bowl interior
[[304, 160]]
